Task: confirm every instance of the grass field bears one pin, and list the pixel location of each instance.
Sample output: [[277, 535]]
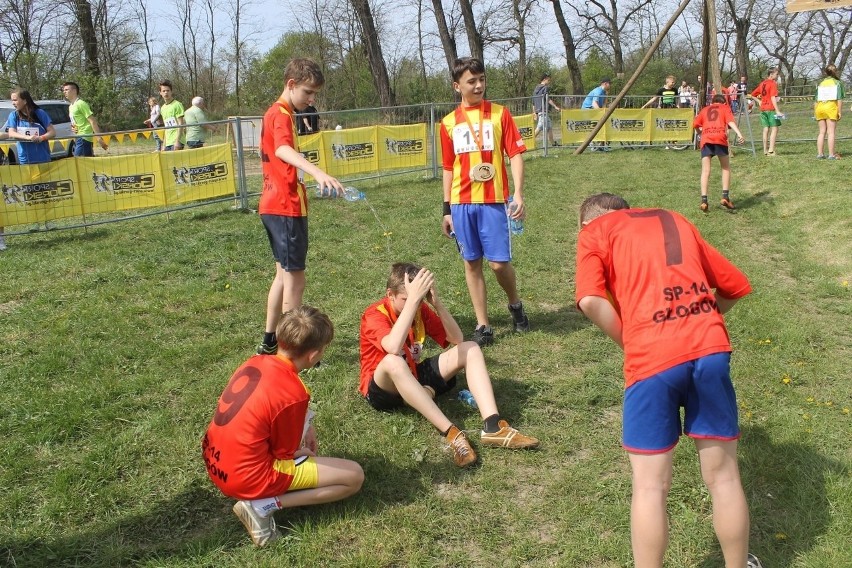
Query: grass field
[[116, 343]]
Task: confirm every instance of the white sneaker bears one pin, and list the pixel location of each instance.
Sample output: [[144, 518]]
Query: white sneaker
[[262, 530], [753, 562], [2, 242]]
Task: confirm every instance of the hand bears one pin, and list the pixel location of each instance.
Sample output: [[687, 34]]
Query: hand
[[74, 128], [740, 140], [518, 210], [309, 443], [447, 226], [418, 288], [104, 145], [334, 186]]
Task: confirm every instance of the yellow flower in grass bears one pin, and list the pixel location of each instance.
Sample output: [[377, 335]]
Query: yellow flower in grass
[[829, 403], [780, 536], [806, 416], [845, 410], [786, 379], [810, 399]]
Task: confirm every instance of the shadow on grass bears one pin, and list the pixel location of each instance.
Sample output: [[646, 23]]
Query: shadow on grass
[[800, 512], [565, 319], [759, 198], [197, 522]]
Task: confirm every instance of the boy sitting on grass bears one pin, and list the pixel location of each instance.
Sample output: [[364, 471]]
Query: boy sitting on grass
[[393, 331], [656, 288], [260, 447]]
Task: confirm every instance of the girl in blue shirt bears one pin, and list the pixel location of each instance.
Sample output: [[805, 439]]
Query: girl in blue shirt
[[31, 127]]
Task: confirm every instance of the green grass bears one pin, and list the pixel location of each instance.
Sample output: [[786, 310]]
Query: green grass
[[116, 342]]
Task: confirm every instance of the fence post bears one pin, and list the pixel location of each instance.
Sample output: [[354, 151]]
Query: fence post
[[434, 141], [241, 168]]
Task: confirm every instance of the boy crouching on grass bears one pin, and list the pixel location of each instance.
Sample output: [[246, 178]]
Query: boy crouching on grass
[[713, 122], [656, 288], [393, 331], [260, 447]]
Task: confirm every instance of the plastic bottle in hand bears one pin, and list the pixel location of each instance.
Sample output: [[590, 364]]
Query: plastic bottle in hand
[[324, 191], [467, 397], [352, 194], [515, 225]]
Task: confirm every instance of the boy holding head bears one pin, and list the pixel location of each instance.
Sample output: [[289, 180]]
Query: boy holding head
[[393, 332], [283, 204], [474, 138], [656, 288], [260, 447]]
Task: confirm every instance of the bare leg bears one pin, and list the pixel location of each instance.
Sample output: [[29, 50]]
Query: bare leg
[[705, 175], [393, 375], [476, 288], [468, 356], [649, 524], [285, 293], [832, 128], [505, 274], [765, 139], [773, 134], [820, 138], [338, 479], [725, 162], [730, 513]]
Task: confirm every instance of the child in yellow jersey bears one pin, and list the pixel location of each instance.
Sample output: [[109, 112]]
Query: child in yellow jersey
[[828, 108], [474, 139]]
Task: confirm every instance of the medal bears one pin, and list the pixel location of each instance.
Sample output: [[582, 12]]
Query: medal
[[482, 172]]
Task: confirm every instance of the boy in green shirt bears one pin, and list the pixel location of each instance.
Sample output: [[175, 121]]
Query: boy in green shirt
[[83, 121], [171, 111]]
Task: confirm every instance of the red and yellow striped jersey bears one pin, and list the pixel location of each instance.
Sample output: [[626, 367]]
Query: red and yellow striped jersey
[[494, 133]]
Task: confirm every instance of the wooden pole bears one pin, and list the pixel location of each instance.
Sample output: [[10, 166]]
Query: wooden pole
[[713, 32], [651, 50]]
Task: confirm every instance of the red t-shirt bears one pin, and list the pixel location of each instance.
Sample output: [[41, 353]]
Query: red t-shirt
[[260, 418], [499, 133], [659, 274], [283, 190], [713, 121], [377, 322], [767, 90]]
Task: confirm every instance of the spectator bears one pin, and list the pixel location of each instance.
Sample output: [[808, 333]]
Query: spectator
[[154, 120], [666, 96], [172, 113], [770, 112], [307, 121], [684, 95], [196, 124], [597, 99], [83, 121], [541, 100]]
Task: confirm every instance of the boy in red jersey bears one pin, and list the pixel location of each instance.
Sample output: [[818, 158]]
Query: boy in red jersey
[[474, 138], [283, 204], [713, 122], [656, 288], [770, 112], [260, 447], [393, 331]]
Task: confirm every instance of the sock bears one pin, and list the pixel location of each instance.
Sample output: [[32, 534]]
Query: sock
[[516, 306], [265, 507], [447, 431], [269, 338], [490, 425], [724, 194], [703, 199]]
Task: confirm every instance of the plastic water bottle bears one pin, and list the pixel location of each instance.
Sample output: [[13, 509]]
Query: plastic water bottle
[[323, 191], [467, 397], [515, 225], [780, 116], [352, 194]]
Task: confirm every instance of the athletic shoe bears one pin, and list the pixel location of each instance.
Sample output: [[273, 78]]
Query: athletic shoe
[[727, 203], [483, 335], [2, 242], [833, 157], [463, 454], [820, 156], [704, 207], [557, 143], [264, 349], [262, 530], [753, 562], [519, 318], [507, 437], [770, 153]]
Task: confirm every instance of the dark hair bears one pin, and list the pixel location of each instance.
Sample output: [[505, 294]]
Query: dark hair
[[544, 76], [396, 280], [719, 99], [30, 109], [463, 64], [166, 83], [771, 70], [304, 72], [72, 84], [303, 329], [596, 205], [831, 71]]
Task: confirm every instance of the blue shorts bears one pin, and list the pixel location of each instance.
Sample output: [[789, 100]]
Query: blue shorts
[[482, 229], [652, 423], [83, 148], [710, 150], [288, 237]]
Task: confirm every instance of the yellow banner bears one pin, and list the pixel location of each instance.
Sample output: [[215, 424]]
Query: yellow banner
[[526, 126], [39, 193], [202, 173], [671, 124], [577, 124], [350, 151], [120, 182], [310, 145], [629, 125], [402, 146]]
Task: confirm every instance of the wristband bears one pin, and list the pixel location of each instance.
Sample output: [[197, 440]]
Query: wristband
[[447, 208]]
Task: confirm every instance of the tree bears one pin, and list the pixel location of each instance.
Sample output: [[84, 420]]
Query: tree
[[602, 17], [474, 37], [448, 40], [86, 26], [570, 49], [373, 50]]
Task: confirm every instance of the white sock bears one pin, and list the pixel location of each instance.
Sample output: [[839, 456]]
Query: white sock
[[265, 507]]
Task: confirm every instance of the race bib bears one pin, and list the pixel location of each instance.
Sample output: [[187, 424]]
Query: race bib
[[28, 130], [416, 351], [464, 141], [826, 93], [170, 122]]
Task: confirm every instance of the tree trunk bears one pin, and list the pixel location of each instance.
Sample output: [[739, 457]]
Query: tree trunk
[[447, 40], [474, 38], [373, 50], [83, 14], [570, 49]]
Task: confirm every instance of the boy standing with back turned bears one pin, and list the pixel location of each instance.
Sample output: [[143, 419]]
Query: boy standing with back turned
[[476, 190], [713, 122], [283, 204], [656, 288]]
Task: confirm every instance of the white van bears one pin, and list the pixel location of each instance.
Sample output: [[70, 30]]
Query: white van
[[58, 112]]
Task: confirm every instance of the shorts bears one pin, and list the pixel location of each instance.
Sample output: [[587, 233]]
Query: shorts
[[652, 423], [482, 229], [191, 144], [826, 110], [288, 237], [83, 148], [301, 472], [544, 122], [710, 150], [428, 374], [768, 120]]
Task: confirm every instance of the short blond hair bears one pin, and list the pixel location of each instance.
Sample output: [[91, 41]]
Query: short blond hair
[[303, 329], [600, 204], [396, 280]]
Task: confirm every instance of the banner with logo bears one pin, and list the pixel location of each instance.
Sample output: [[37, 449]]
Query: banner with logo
[[350, 151], [671, 124], [629, 125], [39, 193], [402, 146], [119, 183], [310, 145], [201, 173], [578, 123], [526, 126]]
